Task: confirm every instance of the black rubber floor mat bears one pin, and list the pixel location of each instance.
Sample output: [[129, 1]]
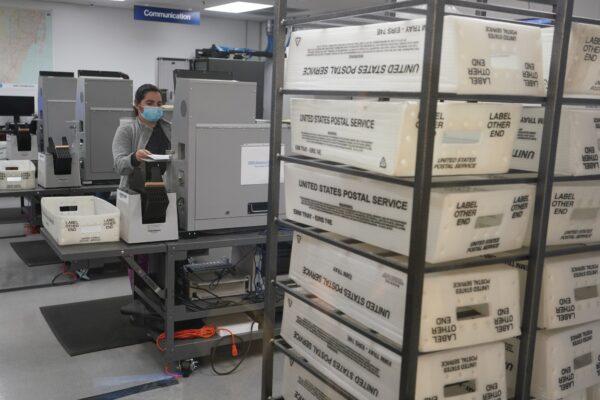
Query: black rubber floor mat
[[35, 253], [90, 326]]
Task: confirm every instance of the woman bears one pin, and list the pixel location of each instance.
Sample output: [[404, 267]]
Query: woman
[[148, 134], [134, 142]]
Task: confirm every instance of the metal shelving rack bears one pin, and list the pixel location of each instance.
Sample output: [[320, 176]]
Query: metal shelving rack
[[423, 182]]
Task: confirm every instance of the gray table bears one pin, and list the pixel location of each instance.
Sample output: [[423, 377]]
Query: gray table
[[80, 252], [162, 301]]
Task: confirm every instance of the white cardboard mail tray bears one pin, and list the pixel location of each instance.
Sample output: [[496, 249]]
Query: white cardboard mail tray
[[578, 142], [570, 290], [463, 308], [583, 59], [566, 361], [17, 174], [566, 381], [463, 222], [80, 219], [574, 214], [478, 56], [593, 393], [471, 138], [298, 383], [370, 371]]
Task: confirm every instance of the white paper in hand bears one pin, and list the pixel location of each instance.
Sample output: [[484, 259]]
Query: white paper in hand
[[158, 157]]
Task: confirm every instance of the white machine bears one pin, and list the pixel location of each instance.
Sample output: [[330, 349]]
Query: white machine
[[58, 157], [221, 161], [58, 166], [148, 212], [103, 98]]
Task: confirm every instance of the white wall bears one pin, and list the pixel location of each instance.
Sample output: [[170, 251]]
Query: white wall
[[105, 38]]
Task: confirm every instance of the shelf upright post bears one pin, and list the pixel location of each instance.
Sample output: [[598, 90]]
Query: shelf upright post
[[543, 196], [279, 35], [421, 194]]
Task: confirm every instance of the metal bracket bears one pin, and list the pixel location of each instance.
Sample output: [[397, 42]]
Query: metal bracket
[[146, 278]]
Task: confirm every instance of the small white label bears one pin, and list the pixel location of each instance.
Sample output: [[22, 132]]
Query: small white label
[[13, 179], [255, 164], [90, 229], [504, 61], [123, 197], [154, 228]]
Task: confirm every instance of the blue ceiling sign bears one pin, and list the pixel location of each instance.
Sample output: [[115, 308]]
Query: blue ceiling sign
[[169, 15]]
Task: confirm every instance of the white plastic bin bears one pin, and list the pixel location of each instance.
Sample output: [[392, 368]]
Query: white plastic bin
[[370, 371], [463, 308], [464, 222], [478, 56], [382, 136], [17, 174], [80, 219], [577, 152]]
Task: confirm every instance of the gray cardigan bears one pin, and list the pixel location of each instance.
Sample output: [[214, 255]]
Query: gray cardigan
[[128, 139]]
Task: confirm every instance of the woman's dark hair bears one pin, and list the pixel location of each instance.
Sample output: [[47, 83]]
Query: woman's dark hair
[[141, 92]]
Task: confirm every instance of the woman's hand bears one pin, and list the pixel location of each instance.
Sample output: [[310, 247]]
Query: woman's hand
[[142, 154]]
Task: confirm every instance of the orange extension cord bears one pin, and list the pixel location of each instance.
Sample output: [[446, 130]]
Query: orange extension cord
[[206, 332]]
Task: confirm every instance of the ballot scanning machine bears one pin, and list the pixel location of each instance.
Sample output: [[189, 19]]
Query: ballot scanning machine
[[103, 98], [21, 143], [221, 156], [58, 157]]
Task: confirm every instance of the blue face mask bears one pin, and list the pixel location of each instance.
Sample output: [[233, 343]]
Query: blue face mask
[[152, 114]]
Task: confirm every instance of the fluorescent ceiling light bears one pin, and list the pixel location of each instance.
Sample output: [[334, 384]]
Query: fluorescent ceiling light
[[238, 7]]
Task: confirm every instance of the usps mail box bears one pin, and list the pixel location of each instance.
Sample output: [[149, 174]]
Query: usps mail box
[[577, 149], [574, 214], [583, 61], [570, 290], [370, 371], [464, 222], [566, 361], [463, 308], [478, 56], [511, 348], [593, 393], [561, 367], [80, 219], [298, 383], [577, 396], [471, 138], [17, 174]]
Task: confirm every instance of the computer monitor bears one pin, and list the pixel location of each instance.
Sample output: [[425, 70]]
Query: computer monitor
[[17, 106]]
